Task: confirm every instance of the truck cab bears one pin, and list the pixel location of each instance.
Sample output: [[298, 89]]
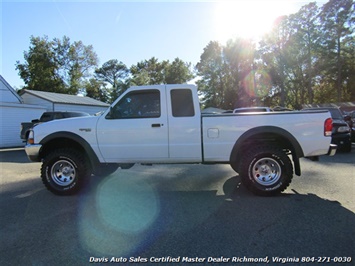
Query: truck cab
[[152, 124]]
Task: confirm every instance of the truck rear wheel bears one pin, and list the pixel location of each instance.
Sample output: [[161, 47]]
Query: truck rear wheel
[[63, 170], [266, 170]]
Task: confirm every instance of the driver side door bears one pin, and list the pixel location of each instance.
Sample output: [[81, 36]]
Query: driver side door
[[136, 128]]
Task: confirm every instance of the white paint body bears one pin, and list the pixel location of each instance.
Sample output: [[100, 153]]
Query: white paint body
[[193, 139]]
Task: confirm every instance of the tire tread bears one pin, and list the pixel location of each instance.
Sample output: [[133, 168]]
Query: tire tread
[[286, 165], [80, 161]]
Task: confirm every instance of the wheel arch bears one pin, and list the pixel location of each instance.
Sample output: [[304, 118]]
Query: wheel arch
[[267, 135], [68, 139]]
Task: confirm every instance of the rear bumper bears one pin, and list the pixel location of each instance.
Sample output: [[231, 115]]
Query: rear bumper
[[332, 149], [32, 151]]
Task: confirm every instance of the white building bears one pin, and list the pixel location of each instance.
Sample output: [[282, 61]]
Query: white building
[[63, 102], [15, 109]]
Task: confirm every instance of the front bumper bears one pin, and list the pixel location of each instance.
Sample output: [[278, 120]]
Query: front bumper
[[332, 149], [32, 151]]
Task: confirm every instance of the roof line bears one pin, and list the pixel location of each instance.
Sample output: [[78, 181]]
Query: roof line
[[53, 98], [11, 89], [32, 93]]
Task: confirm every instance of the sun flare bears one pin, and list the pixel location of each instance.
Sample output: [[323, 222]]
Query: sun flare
[[246, 19]]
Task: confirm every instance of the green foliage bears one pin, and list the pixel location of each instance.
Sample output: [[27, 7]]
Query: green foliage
[[308, 57], [210, 69], [178, 72], [56, 66], [96, 89], [304, 52], [122, 86], [40, 70], [115, 73], [147, 72], [227, 74], [150, 72], [338, 19]]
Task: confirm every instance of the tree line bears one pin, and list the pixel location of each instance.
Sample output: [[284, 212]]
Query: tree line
[[61, 66], [308, 57]]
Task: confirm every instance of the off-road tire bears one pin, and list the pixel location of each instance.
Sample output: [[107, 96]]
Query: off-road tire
[[64, 170], [266, 170]]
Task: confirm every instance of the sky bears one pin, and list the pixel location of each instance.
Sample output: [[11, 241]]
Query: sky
[[133, 31]]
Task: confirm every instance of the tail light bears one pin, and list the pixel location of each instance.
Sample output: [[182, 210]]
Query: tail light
[[328, 127]]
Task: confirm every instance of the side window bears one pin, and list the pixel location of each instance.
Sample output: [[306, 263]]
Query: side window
[[137, 104], [182, 103], [46, 117], [58, 116]]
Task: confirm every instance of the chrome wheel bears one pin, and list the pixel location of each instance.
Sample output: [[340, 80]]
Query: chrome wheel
[[266, 171], [63, 173]]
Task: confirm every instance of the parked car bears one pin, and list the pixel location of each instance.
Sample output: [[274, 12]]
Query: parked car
[[352, 115], [350, 119], [341, 135], [45, 117]]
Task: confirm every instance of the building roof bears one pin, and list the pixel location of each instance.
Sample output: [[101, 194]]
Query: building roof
[[65, 98], [10, 89]]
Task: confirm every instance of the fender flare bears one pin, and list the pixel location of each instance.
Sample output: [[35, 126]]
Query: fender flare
[[261, 131], [73, 137]]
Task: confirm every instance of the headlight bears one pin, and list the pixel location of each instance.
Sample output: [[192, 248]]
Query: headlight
[[343, 129]]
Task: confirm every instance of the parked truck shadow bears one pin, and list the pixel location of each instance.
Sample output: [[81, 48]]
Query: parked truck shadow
[[136, 219], [158, 214], [130, 218]]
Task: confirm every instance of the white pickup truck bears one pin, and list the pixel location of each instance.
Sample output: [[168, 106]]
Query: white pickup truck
[[163, 124]]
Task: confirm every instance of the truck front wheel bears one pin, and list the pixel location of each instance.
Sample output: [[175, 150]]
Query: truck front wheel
[[63, 170], [266, 170]]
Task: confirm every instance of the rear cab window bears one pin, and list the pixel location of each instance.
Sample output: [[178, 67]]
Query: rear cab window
[[182, 103]]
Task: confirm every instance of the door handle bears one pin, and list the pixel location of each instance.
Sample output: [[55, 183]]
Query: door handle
[[157, 125]]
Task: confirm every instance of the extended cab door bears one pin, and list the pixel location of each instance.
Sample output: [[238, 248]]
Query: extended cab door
[[135, 128], [184, 118]]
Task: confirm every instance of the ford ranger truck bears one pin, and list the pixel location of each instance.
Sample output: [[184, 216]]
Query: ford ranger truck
[[163, 124]]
